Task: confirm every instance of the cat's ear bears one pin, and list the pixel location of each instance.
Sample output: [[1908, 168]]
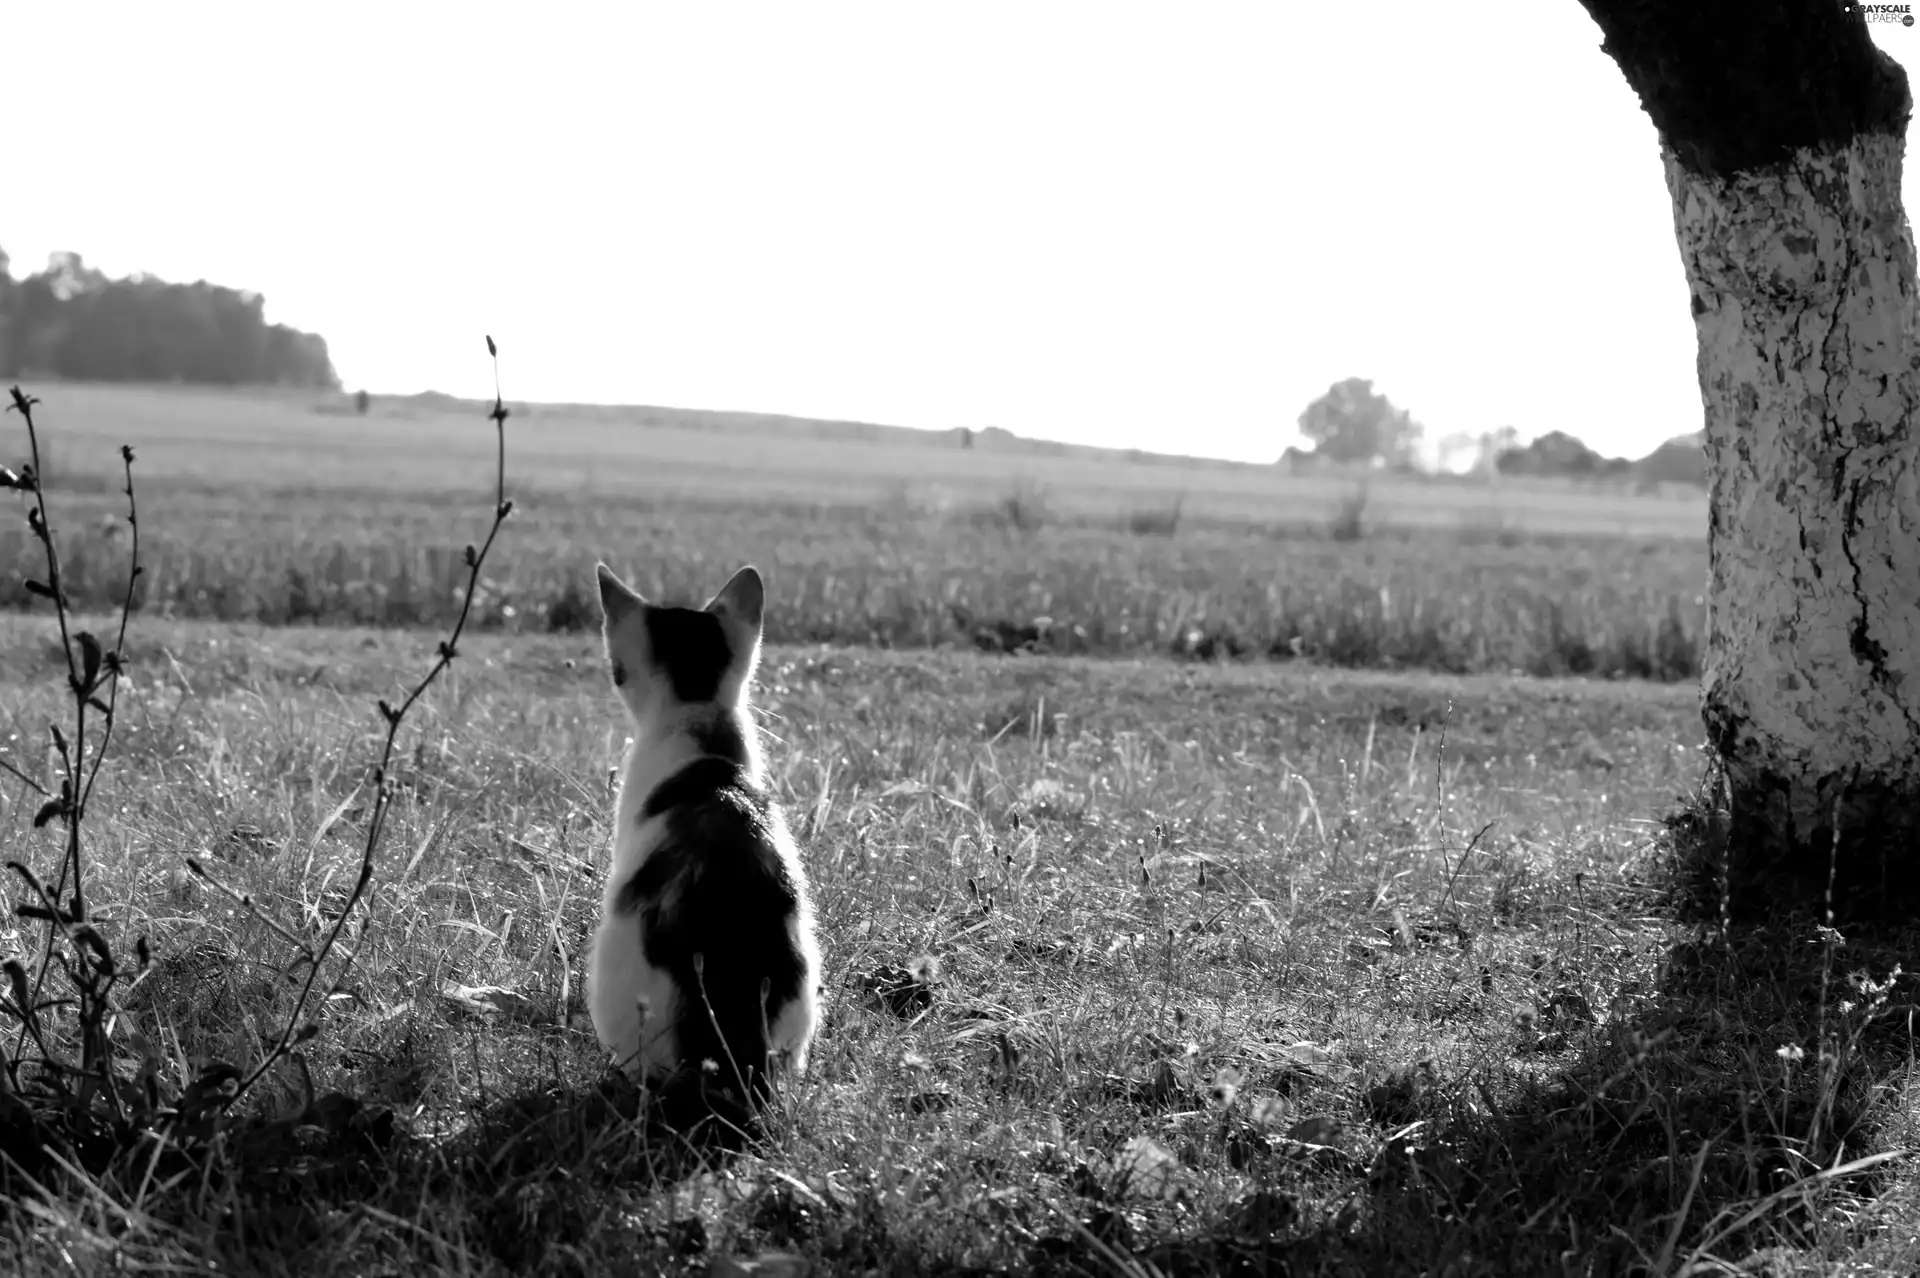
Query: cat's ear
[[738, 607], [618, 600], [741, 601]]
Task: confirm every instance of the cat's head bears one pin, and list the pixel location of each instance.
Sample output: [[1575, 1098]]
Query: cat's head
[[665, 658]]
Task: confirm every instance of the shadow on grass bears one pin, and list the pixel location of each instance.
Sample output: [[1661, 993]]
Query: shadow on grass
[[529, 1184], [1696, 1131], [1701, 1129], [1692, 1123], [1691, 1139], [1750, 1116]]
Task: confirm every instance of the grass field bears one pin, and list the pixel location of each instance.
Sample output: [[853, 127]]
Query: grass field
[[1134, 966], [1132, 876], [264, 508]]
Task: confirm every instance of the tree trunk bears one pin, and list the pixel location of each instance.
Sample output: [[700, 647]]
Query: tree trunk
[[1782, 129]]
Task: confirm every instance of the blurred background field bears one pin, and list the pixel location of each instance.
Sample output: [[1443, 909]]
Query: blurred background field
[[291, 507]]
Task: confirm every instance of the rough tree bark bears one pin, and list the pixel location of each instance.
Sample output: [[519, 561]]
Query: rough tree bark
[[1783, 129]]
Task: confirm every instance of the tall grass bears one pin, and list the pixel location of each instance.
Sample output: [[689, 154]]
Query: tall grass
[[894, 574]]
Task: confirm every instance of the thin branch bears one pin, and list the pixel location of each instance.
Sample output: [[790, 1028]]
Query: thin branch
[[247, 903], [86, 958], [22, 777], [72, 754], [116, 660], [23, 404], [1454, 873], [383, 789]]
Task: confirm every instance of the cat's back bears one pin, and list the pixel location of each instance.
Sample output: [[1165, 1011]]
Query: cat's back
[[721, 859]]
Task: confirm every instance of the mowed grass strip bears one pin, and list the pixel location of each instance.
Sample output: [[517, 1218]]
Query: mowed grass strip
[[272, 440], [1220, 966]]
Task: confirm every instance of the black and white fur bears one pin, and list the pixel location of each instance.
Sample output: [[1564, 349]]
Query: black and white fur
[[706, 895]]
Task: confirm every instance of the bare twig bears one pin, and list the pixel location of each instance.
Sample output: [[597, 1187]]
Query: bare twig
[[293, 1031], [38, 519], [92, 970], [42, 527], [115, 661], [247, 903], [1454, 872], [22, 777]]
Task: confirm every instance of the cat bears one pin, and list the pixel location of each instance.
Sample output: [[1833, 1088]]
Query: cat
[[705, 959]]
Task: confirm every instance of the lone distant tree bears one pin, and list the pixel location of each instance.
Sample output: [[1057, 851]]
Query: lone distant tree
[[1492, 444], [1782, 129], [1678, 461], [1352, 422]]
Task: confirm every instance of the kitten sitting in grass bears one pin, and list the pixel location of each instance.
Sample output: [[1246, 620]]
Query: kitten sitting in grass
[[705, 963]]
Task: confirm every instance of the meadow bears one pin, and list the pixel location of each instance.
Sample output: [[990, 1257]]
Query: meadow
[[1134, 965]]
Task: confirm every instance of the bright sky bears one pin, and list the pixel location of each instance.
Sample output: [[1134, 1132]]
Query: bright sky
[[1162, 226]]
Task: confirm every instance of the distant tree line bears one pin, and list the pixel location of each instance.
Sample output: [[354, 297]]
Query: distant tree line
[[71, 321], [1354, 424], [1558, 453]]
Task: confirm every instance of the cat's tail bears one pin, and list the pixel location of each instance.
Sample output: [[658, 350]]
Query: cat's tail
[[721, 1028]]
